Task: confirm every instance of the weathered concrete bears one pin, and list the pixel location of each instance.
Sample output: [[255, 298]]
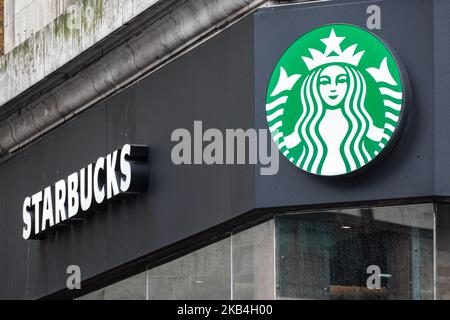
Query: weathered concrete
[[77, 29], [25, 17], [35, 59], [2, 20]]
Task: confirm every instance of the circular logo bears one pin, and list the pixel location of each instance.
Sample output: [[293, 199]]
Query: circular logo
[[335, 100]]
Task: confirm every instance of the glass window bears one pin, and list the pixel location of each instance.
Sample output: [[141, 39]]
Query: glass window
[[253, 263], [129, 289], [203, 274], [443, 251], [376, 253], [369, 253]]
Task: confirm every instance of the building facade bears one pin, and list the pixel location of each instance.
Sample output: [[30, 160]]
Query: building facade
[[227, 150], [25, 17], [1, 27]]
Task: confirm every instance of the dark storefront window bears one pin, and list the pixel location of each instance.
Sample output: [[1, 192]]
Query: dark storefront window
[[132, 288], [443, 251], [326, 255], [316, 255], [203, 274], [253, 263], [240, 266]]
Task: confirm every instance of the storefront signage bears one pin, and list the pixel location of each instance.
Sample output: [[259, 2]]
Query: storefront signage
[[336, 100], [120, 172]]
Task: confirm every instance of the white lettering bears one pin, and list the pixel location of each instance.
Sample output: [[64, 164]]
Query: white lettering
[[36, 201], [26, 218], [60, 200], [104, 180], [72, 195], [86, 188], [47, 209], [112, 188], [99, 188], [125, 168]]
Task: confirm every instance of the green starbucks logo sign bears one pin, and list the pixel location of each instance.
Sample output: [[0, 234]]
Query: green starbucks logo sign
[[335, 100]]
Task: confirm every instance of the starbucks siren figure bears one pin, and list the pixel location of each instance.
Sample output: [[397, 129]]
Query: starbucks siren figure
[[339, 93], [334, 121]]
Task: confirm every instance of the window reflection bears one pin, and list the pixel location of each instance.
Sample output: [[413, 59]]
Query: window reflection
[[129, 289], [315, 255], [443, 251], [325, 255], [253, 262], [204, 274]]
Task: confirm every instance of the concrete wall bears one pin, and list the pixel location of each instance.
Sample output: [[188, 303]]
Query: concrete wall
[[63, 39], [25, 17], [1, 26]]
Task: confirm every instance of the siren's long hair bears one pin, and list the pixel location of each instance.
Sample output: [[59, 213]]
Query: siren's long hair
[[352, 148]]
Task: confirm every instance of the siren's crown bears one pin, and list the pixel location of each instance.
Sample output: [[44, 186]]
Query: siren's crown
[[333, 45]]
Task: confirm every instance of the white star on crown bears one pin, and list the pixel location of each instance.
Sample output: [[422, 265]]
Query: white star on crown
[[333, 44]]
